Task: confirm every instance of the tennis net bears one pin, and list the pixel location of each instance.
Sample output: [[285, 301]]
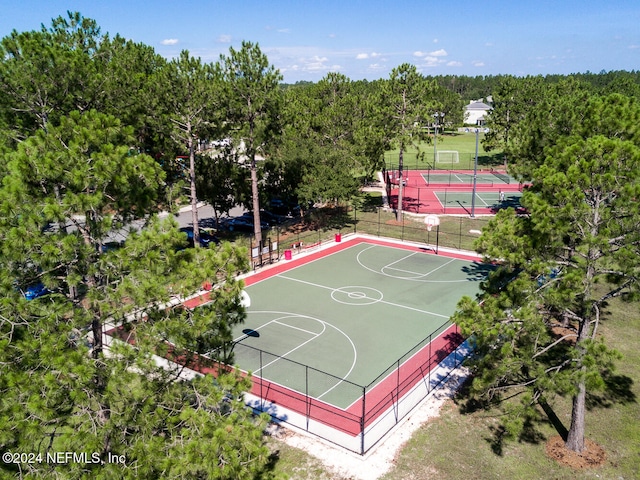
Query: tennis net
[[502, 176]]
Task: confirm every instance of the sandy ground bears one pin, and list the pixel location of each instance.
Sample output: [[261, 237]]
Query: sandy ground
[[381, 458]]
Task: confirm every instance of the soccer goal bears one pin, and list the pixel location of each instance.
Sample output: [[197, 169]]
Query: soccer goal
[[447, 156]]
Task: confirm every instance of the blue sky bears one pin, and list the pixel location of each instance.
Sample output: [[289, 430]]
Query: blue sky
[[366, 39]]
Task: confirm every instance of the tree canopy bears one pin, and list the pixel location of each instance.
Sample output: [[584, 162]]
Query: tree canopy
[[537, 327]]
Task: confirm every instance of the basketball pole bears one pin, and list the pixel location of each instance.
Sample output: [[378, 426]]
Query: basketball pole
[[433, 221]]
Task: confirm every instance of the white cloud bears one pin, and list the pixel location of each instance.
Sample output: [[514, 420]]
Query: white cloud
[[170, 41], [634, 47], [477, 64], [224, 38], [284, 30], [375, 67], [364, 56], [435, 40], [454, 64], [432, 58], [316, 63], [439, 53], [430, 61]]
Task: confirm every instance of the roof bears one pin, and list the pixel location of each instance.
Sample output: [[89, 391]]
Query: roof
[[478, 106]]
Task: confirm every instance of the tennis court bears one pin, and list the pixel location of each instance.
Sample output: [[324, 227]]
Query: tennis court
[[493, 200], [357, 320], [452, 177], [450, 191]]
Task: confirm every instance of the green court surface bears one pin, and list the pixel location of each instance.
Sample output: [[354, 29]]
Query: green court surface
[[492, 200], [329, 326], [458, 178]]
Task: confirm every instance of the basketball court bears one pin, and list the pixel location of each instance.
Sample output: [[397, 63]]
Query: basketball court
[[336, 339], [346, 340]]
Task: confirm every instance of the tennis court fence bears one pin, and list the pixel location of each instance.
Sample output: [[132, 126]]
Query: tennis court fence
[[381, 404], [443, 177], [426, 159]]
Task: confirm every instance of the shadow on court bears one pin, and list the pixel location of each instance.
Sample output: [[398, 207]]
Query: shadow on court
[[511, 201], [478, 271]]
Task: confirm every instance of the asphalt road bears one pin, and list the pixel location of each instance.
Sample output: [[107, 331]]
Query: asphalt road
[[206, 219], [206, 215]]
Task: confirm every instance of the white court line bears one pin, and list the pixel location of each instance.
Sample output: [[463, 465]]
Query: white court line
[[294, 327], [401, 259], [324, 327], [421, 275], [379, 301], [466, 180], [482, 200], [409, 279]]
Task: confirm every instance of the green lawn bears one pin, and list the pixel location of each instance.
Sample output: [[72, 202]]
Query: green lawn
[[463, 143]]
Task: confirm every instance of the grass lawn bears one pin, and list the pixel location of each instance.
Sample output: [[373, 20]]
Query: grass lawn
[[463, 143], [463, 446]]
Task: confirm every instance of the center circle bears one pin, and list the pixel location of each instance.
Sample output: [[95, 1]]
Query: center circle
[[356, 295]]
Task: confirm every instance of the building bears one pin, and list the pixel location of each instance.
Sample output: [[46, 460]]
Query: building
[[475, 113]]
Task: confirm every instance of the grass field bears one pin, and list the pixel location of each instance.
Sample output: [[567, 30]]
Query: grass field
[[463, 143], [461, 446]]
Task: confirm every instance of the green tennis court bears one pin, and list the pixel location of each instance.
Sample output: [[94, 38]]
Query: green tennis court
[[460, 178], [490, 199], [325, 327]]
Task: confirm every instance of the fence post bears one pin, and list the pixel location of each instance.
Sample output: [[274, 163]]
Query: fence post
[[397, 405], [430, 361], [355, 219], [306, 393], [362, 422], [261, 384]]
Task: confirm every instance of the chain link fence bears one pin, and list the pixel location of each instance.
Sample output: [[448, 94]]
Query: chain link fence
[[325, 225], [290, 397]]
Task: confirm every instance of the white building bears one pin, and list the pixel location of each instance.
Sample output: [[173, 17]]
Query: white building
[[475, 113]]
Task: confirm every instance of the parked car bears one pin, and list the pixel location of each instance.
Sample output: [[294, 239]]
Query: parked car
[[110, 246], [206, 239], [288, 208], [244, 223], [35, 290], [281, 207], [271, 218]]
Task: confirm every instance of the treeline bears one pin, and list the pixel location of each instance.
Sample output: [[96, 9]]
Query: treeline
[[317, 139], [482, 86]]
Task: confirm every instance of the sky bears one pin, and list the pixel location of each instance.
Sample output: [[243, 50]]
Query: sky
[[366, 39]]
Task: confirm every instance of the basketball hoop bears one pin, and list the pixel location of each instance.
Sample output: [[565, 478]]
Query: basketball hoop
[[431, 221]]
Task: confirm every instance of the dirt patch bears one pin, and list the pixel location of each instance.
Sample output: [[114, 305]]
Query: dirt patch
[[592, 456], [394, 223]]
